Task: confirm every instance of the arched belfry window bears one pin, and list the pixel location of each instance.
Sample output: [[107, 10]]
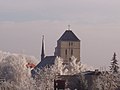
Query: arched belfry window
[[66, 52], [71, 43], [71, 52]]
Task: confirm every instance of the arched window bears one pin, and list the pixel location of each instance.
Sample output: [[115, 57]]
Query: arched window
[[66, 52], [69, 43], [71, 52]]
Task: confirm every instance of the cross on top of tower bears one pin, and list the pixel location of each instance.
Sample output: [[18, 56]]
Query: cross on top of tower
[[69, 27]]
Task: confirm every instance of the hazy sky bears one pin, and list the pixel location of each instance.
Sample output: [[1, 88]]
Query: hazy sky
[[95, 22]]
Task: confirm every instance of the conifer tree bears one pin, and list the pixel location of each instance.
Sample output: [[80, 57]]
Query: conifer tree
[[114, 64]]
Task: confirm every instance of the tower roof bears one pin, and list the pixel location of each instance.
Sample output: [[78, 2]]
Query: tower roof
[[68, 35]]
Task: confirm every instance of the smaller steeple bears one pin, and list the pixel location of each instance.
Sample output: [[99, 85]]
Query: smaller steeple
[[42, 51]]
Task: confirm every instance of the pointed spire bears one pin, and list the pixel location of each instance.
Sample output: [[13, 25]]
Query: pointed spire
[[114, 56], [42, 52]]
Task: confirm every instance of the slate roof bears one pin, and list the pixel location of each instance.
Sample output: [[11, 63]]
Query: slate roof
[[68, 35], [46, 62]]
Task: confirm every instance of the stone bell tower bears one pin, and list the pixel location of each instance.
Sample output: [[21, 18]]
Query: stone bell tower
[[68, 45]]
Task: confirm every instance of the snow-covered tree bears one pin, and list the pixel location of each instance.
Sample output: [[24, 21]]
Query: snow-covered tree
[[107, 81], [45, 77], [13, 69], [114, 64], [74, 67]]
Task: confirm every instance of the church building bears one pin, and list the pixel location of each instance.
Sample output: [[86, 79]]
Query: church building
[[68, 45]]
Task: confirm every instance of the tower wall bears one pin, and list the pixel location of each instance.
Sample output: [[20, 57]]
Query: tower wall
[[67, 49], [68, 45]]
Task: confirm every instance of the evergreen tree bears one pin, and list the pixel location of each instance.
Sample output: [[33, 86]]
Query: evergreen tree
[[114, 64]]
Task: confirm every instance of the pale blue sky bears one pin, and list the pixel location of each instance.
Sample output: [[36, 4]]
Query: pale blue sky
[[95, 22]]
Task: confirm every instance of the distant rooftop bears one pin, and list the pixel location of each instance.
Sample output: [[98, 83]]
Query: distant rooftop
[[68, 35]]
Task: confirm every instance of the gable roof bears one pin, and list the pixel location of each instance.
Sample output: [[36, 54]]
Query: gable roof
[[68, 35], [46, 62]]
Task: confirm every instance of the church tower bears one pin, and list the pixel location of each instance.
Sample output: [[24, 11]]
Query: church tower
[[42, 51], [68, 45]]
